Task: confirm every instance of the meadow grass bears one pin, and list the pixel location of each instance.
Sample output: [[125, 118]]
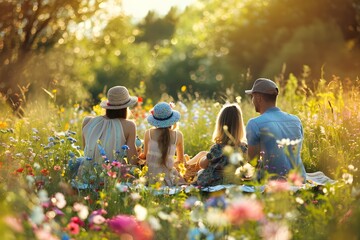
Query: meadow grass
[[37, 200]]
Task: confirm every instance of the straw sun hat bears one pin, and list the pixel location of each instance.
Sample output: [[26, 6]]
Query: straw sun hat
[[163, 115], [118, 98]]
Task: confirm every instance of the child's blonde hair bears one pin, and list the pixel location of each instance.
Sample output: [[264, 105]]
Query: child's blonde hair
[[229, 128]]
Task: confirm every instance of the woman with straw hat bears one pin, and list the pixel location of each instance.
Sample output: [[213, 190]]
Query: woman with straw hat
[[104, 137]]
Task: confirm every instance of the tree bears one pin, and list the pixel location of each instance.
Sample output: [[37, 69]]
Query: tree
[[154, 29], [28, 29]]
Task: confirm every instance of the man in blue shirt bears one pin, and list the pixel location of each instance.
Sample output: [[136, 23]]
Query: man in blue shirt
[[275, 137]]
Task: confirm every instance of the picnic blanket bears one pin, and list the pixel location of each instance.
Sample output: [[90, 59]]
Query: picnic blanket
[[312, 180]]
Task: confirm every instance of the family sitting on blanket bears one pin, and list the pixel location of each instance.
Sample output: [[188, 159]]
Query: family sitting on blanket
[[163, 142]]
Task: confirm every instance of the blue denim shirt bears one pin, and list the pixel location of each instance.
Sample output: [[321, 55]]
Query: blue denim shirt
[[267, 130]]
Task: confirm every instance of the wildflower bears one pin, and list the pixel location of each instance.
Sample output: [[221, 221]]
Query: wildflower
[[58, 212], [14, 223], [216, 217], [122, 187], [154, 223], [228, 150], [245, 171], [43, 196], [277, 186], [44, 233], [116, 164], [59, 200], [3, 125], [125, 147], [37, 166], [111, 174], [30, 179], [190, 202], [57, 168], [216, 202], [244, 210], [127, 225], [82, 210], [45, 172], [135, 196], [236, 158], [200, 233], [140, 212], [275, 231], [295, 178], [299, 200], [37, 215], [348, 178], [352, 168], [73, 228], [98, 219], [71, 139]]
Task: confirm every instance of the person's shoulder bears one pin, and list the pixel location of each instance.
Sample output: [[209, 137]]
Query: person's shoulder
[[178, 132], [253, 121], [87, 119], [293, 116], [128, 123]]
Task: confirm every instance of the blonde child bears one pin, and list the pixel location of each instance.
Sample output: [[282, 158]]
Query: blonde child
[[229, 130], [161, 144]]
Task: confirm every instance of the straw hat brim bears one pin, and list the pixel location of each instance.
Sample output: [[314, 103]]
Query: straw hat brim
[[164, 123], [132, 102]]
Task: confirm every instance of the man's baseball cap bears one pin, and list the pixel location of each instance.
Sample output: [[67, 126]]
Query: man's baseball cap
[[264, 85]]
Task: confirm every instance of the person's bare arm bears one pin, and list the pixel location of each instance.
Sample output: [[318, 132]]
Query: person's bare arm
[[130, 141], [204, 162], [146, 143], [180, 147], [85, 121]]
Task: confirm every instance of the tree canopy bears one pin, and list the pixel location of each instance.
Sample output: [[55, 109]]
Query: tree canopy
[[211, 48]]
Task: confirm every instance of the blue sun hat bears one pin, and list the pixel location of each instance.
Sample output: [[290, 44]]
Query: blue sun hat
[[163, 116]]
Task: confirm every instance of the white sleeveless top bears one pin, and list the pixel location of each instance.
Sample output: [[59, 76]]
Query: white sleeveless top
[[155, 167], [106, 132]]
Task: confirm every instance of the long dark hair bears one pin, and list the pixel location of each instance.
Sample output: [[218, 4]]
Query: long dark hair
[[164, 143], [116, 113]]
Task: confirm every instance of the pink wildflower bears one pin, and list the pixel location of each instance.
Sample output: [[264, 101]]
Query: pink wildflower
[[275, 231], [57, 168], [295, 178], [78, 221], [14, 223], [277, 186], [111, 174], [128, 225], [73, 228], [116, 164], [42, 234], [244, 210]]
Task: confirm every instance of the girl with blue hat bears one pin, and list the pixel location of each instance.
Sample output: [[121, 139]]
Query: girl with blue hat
[[162, 143]]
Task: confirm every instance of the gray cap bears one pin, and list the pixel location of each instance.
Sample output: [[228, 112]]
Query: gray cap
[[264, 85]]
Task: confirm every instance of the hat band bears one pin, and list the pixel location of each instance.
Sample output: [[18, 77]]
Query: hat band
[[109, 104], [163, 119]]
